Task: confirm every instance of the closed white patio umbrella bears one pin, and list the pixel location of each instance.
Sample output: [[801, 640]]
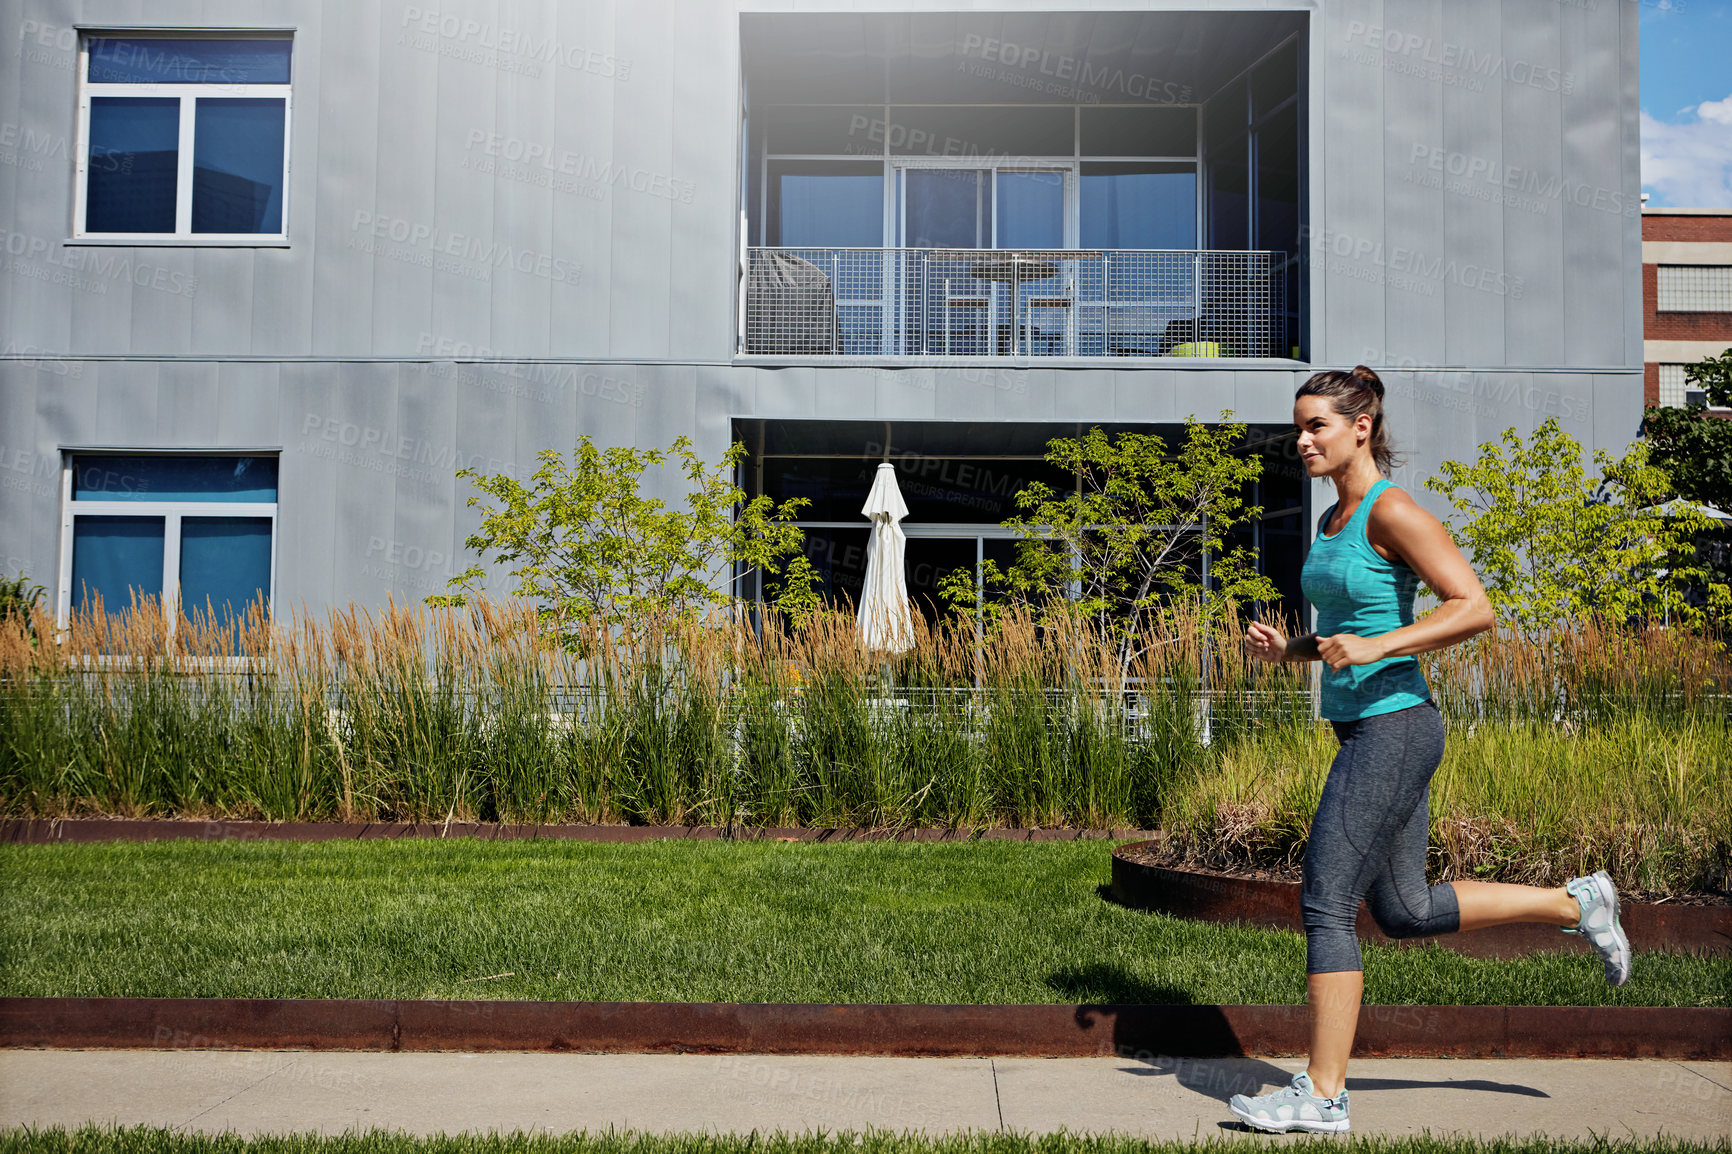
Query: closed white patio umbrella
[[885, 623]]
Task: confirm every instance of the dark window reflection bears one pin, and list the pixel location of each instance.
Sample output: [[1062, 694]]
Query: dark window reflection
[[104, 477], [237, 176], [839, 556], [946, 208], [133, 162], [163, 60]]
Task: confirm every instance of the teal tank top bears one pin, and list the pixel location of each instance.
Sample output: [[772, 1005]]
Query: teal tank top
[[1356, 591]]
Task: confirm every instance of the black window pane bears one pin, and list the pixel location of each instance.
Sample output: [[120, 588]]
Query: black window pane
[[237, 159], [162, 60], [1139, 132], [1275, 80], [1278, 182], [928, 561], [937, 490], [1229, 197], [114, 477], [1139, 206], [839, 557], [132, 164], [1226, 116], [835, 489]]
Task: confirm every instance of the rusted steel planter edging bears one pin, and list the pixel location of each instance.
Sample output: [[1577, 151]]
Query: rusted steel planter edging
[[1054, 1031], [39, 831], [1275, 905]]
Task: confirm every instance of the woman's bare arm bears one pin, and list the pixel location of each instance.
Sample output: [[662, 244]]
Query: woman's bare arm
[[1403, 531], [1400, 527]]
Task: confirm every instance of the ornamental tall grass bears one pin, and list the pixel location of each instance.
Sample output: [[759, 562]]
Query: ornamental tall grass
[[491, 713]]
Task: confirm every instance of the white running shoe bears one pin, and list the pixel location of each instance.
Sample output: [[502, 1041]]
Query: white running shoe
[[1598, 898], [1295, 1106]]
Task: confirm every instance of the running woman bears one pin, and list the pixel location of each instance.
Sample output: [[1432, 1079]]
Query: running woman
[[1369, 835]]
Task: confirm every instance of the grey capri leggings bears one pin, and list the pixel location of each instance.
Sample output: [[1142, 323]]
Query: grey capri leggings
[[1369, 839]]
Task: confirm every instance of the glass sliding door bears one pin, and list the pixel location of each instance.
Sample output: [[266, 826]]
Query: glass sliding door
[[830, 216], [1029, 207], [969, 305], [945, 208]]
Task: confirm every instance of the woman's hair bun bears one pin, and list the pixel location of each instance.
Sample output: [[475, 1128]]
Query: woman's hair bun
[[1367, 378]]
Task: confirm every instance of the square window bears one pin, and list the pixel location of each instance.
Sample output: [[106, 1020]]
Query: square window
[[184, 139], [195, 532]]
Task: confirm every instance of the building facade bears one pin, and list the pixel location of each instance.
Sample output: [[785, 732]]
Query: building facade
[[274, 274], [1686, 295]]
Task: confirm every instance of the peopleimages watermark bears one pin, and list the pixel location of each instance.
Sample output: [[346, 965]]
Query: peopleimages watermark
[[544, 382], [386, 451], [1411, 269], [54, 45], [1523, 188], [88, 270], [542, 164], [905, 140], [432, 246], [926, 378], [28, 471], [409, 566], [1450, 63], [241, 1062], [783, 1079], [507, 49], [1472, 393], [1057, 74], [41, 359], [24, 148]]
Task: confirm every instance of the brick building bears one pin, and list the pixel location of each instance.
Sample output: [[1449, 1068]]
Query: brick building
[[1686, 295]]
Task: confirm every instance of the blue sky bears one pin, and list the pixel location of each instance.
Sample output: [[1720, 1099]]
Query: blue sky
[[1687, 102]]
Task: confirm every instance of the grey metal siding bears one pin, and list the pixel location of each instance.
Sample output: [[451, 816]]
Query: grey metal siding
[[599, 265]]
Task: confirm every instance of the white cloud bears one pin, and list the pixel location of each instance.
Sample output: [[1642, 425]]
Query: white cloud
[[1719, 111], [1689, 164]]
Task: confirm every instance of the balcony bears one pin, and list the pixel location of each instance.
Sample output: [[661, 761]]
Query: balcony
[[1013, 303]]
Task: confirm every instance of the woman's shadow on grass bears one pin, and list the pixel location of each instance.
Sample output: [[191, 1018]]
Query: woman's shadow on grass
[[1161, 1028]]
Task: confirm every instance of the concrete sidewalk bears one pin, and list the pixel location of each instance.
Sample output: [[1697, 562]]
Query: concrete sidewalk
[[256, 1092]]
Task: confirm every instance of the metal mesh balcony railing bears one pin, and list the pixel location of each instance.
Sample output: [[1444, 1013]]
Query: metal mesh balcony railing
[[1014, 303]]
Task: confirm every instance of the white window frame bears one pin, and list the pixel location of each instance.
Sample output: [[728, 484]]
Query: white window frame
[[188, 95], [171, 512]]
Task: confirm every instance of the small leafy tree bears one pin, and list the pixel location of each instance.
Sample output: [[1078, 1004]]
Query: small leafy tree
[[1694, 447], [585, 543], [1132, 535], [1552, 544]]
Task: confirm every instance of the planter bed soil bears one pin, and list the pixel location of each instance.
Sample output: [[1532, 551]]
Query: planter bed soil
[[1055, 1031], [1144, 876]]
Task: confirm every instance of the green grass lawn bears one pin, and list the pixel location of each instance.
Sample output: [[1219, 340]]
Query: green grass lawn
[[142, 1140], [979, 922]]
